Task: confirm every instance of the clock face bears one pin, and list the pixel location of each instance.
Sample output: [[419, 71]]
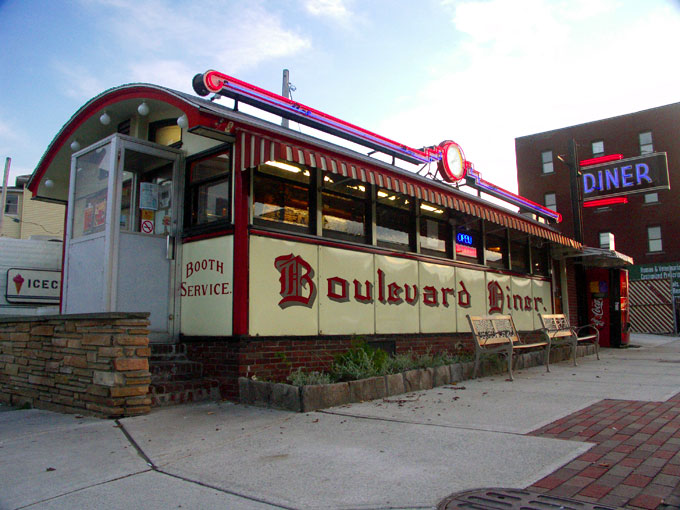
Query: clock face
[[453, 162]]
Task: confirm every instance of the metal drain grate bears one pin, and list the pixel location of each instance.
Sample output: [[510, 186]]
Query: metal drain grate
[[507, 499]]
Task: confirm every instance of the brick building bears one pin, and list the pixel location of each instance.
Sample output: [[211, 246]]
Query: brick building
[[646, 227]]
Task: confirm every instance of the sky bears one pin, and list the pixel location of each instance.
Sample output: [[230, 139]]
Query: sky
[[479, 72]]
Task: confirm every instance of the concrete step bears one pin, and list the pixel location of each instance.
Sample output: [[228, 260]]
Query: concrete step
[[166, 352], [181, 392], [175, 370]]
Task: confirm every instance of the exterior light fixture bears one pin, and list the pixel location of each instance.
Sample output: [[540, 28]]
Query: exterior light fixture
[[75, 145], [183, 121], [105, 119], [284, 166], [143, 109]]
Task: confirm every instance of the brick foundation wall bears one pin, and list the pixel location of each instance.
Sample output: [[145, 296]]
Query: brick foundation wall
[[93, 364], [273, 359]]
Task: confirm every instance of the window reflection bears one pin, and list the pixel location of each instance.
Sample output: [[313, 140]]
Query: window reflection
[[281, 195], [393, 220], [210, 189], [434, 230], [344, 208]]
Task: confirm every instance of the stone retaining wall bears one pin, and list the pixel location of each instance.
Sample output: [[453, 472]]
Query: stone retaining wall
[[322, 396], [94, 364]]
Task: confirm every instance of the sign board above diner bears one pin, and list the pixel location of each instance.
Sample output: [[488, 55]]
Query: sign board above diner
[[640, 174]]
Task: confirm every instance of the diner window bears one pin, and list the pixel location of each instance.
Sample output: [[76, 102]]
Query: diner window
[[651, 198], [468, 239], [345, 208], [547, 162], [550, 201], [540, 259], [12, 205], [281, 196], [654, 242], [209, 189], [519, 252], [393, 220], [598, 148], [496, 247], [434, 230], [646, 145]]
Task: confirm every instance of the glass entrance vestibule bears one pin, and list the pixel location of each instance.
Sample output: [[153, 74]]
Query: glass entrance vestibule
[[123, 213]]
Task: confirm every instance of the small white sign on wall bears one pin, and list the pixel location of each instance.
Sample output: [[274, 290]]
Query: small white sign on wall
[[33, 286]]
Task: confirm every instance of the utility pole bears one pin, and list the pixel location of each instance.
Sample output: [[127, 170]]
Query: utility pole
[[577, 213], [285, 92], [3, 199], [576, 201]]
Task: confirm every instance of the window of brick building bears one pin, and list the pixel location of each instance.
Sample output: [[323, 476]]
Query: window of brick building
[[550, 201], [547, 162], [646, 145], [651, 198], [604, 240], [598, 148], [654, 242]]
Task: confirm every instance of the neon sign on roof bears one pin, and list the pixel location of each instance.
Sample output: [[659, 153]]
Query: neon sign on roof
[[451, 161]]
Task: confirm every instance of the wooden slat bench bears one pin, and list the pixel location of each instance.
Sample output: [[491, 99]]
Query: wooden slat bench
[[496, 334], [557, 331]]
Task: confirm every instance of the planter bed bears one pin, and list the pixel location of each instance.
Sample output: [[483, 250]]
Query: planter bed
[[322, 396]]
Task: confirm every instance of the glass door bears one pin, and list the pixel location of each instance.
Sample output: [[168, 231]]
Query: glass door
[[147, 215]]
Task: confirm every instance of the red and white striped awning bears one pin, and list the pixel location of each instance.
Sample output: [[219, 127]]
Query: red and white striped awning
[[256, 149]]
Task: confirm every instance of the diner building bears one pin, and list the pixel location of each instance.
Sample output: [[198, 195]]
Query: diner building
[[257, 249]]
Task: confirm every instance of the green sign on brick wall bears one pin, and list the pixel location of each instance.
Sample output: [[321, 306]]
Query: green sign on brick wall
[[662, 270]]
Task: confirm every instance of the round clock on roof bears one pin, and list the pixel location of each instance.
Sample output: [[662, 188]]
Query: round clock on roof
[[452, 165]]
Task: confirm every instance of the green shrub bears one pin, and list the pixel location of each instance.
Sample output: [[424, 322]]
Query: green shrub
[[300, 378], [360, 362], [400, 363]]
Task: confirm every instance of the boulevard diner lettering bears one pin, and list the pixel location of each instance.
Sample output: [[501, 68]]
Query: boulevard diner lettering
[[298, 288], [640, 174], [322, 289]]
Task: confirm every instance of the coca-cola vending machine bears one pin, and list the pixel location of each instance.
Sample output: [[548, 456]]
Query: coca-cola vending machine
[[608, 305]]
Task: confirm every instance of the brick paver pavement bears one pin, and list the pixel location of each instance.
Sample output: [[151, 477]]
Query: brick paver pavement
[[635, 459]]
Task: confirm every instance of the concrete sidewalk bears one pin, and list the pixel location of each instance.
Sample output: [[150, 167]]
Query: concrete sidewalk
[[403, 452]]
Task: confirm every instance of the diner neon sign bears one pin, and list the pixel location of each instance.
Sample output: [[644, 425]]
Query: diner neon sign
[[448, 154]]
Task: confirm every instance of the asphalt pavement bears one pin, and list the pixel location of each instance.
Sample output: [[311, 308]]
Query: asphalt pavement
[[404, 452]]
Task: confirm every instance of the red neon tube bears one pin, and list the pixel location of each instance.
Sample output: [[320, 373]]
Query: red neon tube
[[606, 201], [601, 159]]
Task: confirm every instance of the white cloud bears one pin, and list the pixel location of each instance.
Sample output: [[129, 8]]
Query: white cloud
[[162, 42], [335, 9], [534, 65], [242, 35], [77, 81]]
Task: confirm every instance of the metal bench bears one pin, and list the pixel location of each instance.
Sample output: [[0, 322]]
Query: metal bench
[[496, 334], [557, 331]]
